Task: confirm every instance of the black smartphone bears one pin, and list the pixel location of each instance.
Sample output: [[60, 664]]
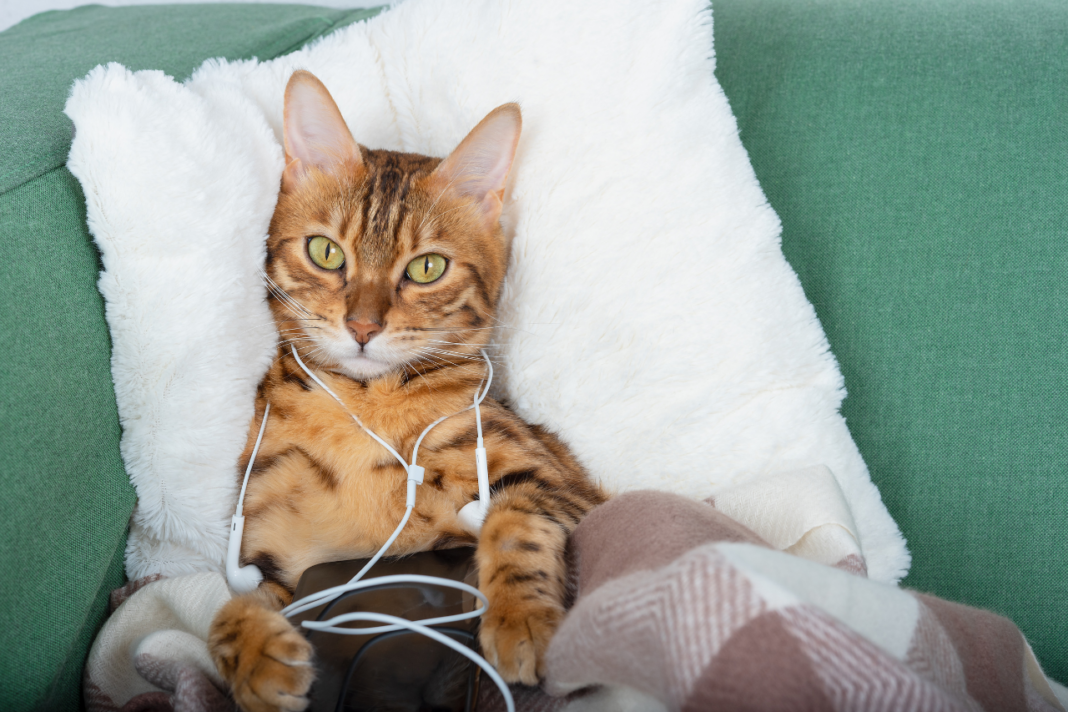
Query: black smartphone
[[401, 671]]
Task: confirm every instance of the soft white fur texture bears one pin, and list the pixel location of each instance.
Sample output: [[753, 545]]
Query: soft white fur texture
[[649, 315]]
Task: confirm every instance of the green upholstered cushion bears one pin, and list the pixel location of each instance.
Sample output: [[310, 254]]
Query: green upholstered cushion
[[66, 499], [917, 153]]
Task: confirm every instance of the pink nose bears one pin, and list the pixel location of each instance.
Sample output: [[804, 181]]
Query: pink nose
[[363, 331]]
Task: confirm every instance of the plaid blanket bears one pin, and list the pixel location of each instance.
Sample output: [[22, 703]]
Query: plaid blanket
[[691, 608]]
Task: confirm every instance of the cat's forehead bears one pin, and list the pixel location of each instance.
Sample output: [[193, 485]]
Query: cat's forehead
[[384, 197]]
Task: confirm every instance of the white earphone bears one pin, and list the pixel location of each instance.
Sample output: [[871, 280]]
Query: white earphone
[[244, 579], [472, 514]]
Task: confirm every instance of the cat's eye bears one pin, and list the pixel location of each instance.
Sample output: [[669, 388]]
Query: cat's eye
[[325, 252], [426, 268]]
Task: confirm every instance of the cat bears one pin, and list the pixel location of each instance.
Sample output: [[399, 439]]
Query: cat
[[384, 270]]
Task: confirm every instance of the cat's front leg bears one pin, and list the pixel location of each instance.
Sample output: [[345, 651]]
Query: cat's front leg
[[522, 571], [265, 660]]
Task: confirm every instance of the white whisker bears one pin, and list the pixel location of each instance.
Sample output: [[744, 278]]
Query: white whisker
[[460, 366], [287, 299]]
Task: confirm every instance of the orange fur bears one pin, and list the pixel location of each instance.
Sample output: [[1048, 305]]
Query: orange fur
[[400, 354]]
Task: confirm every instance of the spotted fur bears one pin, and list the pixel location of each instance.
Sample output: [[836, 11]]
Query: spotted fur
[[399, 354]]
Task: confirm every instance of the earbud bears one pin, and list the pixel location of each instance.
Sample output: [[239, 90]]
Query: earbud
[[471, 516], [243, 579]]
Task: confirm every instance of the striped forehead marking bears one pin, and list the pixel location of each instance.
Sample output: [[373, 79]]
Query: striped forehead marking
[[388, 184]]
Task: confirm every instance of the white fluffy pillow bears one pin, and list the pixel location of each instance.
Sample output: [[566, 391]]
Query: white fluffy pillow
[[649, 315]]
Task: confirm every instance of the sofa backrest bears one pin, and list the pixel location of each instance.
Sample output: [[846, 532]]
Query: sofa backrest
[[915, 151], [917, 154]]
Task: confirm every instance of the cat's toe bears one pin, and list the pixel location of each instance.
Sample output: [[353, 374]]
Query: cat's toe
[[265, 659], [515, 642], [282, 677]]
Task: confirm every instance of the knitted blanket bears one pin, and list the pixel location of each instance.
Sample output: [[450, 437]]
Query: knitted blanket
[[695, 610]]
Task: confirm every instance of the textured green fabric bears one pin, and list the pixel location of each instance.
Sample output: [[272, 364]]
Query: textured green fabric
[[917, 153], [66, 500], [65, 690]]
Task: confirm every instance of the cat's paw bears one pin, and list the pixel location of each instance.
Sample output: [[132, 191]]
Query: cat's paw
[[514, 640], [264, 658]]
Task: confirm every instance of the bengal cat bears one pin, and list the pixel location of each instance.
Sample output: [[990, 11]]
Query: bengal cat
[[385, 269]]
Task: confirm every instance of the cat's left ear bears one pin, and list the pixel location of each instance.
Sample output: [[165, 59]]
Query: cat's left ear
[[479, 166]]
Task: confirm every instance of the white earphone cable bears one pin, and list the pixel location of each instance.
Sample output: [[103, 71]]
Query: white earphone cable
[[352, 415], [415, 477], [336, 591], [441, 638], [252, 460], [415, 473]]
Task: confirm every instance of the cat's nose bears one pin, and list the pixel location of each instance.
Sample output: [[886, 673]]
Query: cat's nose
[[363, 331]]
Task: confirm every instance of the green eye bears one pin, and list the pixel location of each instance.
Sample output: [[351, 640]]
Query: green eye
[[426, 268], [325, 252]]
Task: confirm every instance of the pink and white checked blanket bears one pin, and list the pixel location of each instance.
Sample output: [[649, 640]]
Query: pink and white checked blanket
[[687, 606]]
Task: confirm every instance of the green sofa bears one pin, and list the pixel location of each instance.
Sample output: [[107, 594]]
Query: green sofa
[[916, 151]]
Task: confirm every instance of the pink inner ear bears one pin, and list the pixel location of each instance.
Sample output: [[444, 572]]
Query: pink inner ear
[[315, 132], [479, 166]]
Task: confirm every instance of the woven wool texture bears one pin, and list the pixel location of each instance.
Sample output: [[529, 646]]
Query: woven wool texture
[[649, 316]]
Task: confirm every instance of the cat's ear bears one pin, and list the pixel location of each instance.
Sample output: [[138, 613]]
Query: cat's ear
[[479, 166], [314, 134]]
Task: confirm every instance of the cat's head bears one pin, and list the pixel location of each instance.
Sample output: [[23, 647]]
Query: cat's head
[[378, 260]]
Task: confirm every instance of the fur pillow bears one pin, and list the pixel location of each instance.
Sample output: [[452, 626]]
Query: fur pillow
[[649, 315]]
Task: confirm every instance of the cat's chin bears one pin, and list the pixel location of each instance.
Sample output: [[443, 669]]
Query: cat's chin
[[362, 368]]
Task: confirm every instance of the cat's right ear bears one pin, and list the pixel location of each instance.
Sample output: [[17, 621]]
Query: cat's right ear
[[315, 134]]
